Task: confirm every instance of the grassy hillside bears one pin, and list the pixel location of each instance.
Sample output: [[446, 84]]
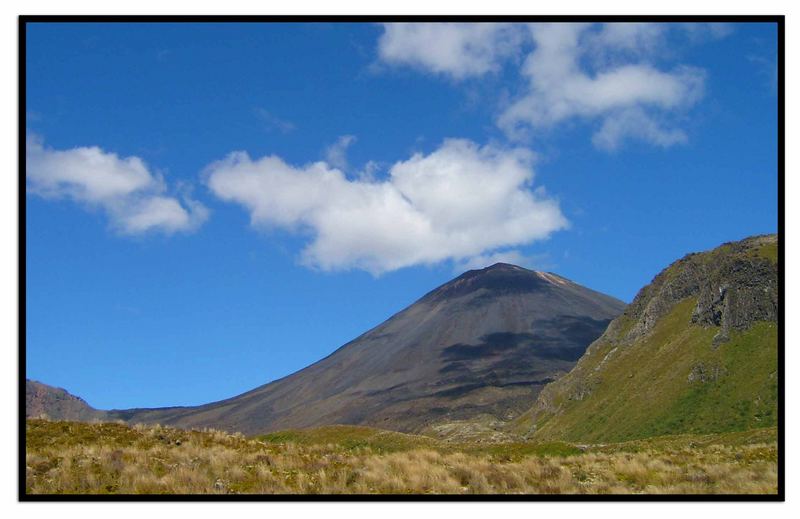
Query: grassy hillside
[[70, 457], [696, 352], [673, 381]]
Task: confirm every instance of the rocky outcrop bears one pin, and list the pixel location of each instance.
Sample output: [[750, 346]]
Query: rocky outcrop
[[736, 285], [741, 289]]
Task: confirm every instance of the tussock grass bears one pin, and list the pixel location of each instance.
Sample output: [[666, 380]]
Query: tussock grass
[[100, 458]]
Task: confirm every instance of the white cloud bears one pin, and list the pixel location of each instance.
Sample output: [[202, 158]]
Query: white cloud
[[455, 203], [634, 123], [560, 87], [336, 153], [633, 38], [603, 74], [460, 50], [124, 188]]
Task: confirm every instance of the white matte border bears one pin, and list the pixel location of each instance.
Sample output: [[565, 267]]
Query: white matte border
[[10, 9]]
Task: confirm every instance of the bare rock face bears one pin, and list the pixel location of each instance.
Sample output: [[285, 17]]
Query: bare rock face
[[741, 289], [479, 347], [735, 285]]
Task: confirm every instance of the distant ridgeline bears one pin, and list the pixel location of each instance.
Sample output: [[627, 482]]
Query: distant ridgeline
[[43, 401], [696, 352]]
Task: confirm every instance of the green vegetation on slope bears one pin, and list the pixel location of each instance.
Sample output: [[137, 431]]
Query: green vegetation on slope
[[672, 380], [768, 250], [111, 458]]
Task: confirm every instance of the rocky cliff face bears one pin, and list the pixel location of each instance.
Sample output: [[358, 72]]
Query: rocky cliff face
[[678, 354], [735, 285]]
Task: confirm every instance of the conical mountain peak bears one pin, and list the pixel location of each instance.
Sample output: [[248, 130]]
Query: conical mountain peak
[[482, 344], [498, 279], [504, 266]]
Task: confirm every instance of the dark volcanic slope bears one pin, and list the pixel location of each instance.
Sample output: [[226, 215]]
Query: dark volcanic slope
[[56, 403], [484, 343]]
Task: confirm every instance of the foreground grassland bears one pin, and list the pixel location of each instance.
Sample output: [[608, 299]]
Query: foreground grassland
[[102, 458]]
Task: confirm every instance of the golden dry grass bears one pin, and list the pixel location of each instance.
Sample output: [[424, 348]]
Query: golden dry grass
[[65, 457]]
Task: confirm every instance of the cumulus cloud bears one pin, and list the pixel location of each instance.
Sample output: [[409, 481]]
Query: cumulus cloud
[[604, 74], [459, 50], [630, 99], [132, 196], [634, 123], [456, 203]]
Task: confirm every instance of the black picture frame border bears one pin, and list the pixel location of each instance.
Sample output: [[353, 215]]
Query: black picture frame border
[[24, 20]]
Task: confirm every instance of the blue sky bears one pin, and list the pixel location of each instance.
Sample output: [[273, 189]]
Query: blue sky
[[211, 207]]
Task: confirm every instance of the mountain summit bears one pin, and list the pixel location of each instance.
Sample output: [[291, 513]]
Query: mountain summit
[[499, 279], [483, 344]]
